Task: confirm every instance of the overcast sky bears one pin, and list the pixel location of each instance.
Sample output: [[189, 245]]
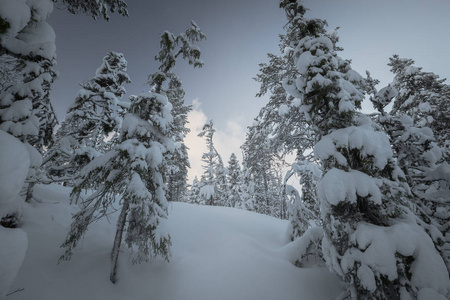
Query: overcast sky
[[239, 35]]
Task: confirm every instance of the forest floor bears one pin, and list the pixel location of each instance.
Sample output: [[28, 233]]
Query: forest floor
[[217, 253]]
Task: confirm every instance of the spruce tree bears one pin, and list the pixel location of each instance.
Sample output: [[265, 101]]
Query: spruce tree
[[194, 192], [134, 170], [304, 209], [221, 173], [280, 122], [280, 117], [95, 115], [177, 170], [424, 97], [363, 193], [27, 73], [234, 182], [248, 189], [418, 156], [25, 108], [208, 184], [263, 167]]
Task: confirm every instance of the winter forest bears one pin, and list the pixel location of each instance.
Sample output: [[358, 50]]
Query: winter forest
[[327, 202]]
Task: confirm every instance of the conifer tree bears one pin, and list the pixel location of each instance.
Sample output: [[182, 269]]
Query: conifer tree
[[208, 184], [280, 117], [363, 194], [263, 168], [280, 124], [134, 170], [304, 209], [248, 189], [178, 160], [95, 114], [418, 154], [234, 182], [424, 97], [25, 109], [27, 58], [194, 192], [221, 173]]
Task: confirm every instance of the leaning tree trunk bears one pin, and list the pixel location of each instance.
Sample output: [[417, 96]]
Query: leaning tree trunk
[[118, 241], [29, 194]]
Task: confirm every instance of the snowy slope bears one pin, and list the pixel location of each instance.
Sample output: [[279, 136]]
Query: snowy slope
[[217, 253]]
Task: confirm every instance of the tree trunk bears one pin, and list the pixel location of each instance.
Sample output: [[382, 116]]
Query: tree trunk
[[118, 241], [29, 194]]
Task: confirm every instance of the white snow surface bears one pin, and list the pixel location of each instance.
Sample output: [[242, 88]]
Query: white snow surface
[[16, 13], [378, 245], [217, 253], [339, 186], [369, 142], [283, 110], [15, 163], [207, 191], [12, 251], [24, 36]]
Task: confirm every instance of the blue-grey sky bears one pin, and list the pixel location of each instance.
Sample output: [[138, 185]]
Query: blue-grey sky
[[240, 33]]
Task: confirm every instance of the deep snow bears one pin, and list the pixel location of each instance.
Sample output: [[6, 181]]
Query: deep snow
[[217, 253]]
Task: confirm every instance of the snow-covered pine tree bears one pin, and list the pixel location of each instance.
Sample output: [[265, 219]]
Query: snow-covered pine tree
[[194, 192], [234, 182], [25, 109], [221, 173], [178, 160], [22, 99], [264, 170], [208, 181], [424, 97], [305, 225], [248, 189], [96, 114], [286, 126], [418, 154], [363, 195], [304, 210], [133, 171]]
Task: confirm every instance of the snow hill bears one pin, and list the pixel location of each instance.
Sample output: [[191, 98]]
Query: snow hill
[[217, 253]]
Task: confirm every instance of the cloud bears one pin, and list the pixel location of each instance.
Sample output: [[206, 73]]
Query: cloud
[[226, 140]]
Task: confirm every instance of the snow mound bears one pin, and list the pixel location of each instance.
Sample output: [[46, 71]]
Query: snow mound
[[217, 253], [15, 163], [377, 248], [12, 252], [16, 13]]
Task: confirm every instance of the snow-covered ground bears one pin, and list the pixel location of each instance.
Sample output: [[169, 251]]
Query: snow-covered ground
[[217, 253]]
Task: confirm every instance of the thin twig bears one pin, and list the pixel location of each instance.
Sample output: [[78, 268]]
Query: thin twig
[[16, 291]]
